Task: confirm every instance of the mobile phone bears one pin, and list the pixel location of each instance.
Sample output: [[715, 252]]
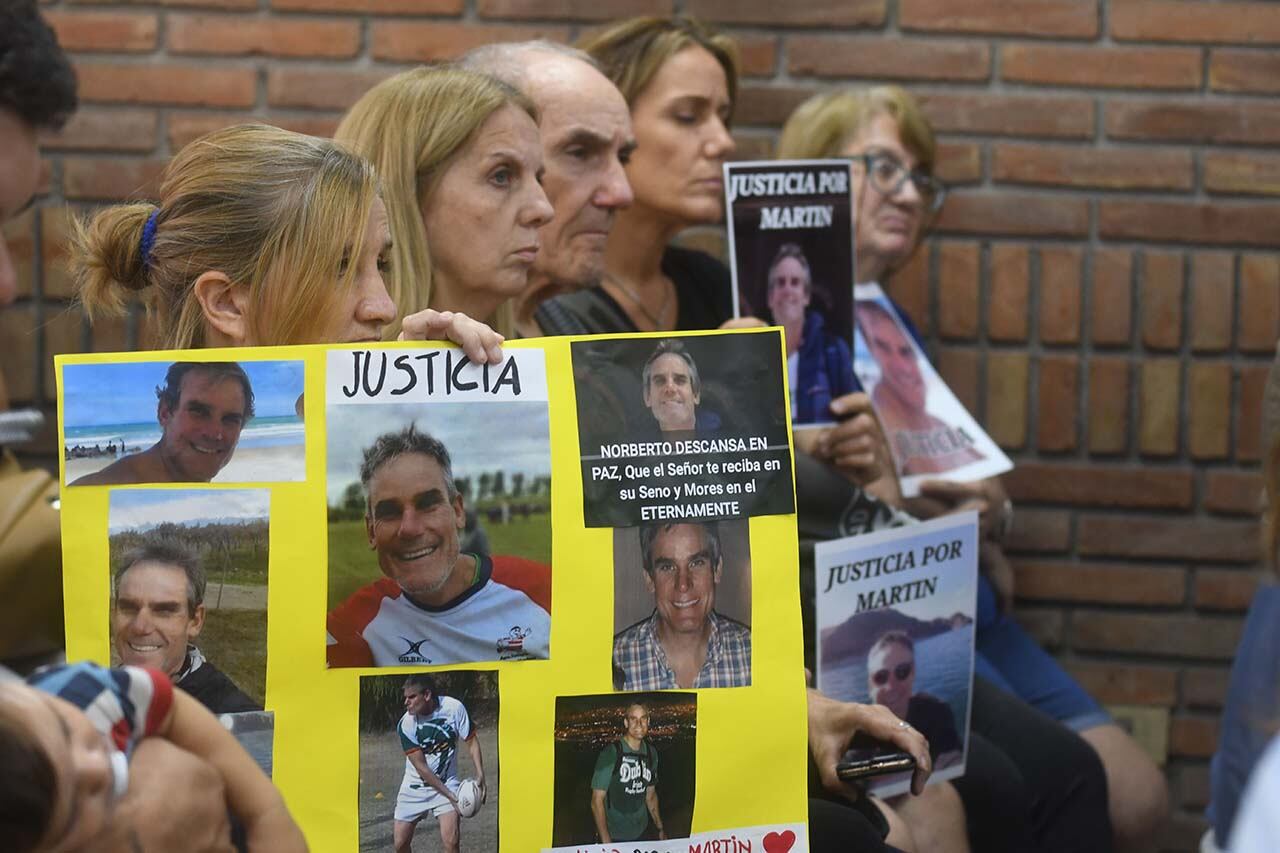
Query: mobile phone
[[876, 765]]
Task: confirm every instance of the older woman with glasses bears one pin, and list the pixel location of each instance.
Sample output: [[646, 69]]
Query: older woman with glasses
[[892, 145]]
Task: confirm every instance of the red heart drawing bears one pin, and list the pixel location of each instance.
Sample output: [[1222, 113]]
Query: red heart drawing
[[779, 842]]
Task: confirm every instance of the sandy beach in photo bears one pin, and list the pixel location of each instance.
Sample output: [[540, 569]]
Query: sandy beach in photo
[[282, 463]]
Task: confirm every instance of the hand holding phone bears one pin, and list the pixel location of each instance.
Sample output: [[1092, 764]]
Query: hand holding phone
[[876, 765]]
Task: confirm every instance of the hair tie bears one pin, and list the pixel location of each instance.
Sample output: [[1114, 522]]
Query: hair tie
[[148, 238]]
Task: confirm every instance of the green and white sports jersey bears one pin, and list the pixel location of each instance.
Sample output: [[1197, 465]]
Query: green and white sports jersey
[[437, 735]]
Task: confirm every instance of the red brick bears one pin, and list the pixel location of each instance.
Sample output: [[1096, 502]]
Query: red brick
[[1127, 684], [289, 86], [1066, 18], [1225, 589], [1010, 275], [1039, 531], [1102, 67], [1196, 737], [1245, 173], [1108, 405], [246, 35], [1066, 117], [1159, 396], [210, 4], [372, 7], [1058, 412], [1100, 486], [1187, 222], [1252, 71], [1195, 22], [1073, 166], [1112, 302], [898, 59], [910, 289], [105, 129], [958, 286], [403, 41], [1233, 492], [1145, 634], [817, 13], [959, 163], [110, 334], [18, 328], [19, 236], [1259, 302], [1209, 393], [191, 85], [1021, 214], [1204, 687], [607, 10], [1212, 301], [757, 55], [186, 127], [1007, 376], [1164, 537], [55, 238], [767, 104], [1162, 300], [1193, 788], [63, 333], [1101, 584], [750, 145], [1205, 122], [111, 178], [1046, 627], [959, 368], [114, 32], [1060, 294], [1253, 380]]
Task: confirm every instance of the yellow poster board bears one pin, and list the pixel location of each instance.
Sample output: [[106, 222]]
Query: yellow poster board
[[747, 743]]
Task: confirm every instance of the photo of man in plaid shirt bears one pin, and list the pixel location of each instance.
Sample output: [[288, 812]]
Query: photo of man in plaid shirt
[[684, 642]]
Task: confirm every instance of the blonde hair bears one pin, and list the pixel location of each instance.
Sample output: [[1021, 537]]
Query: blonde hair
[[631, 52], [826, 123], [276, 212], [410, 126]]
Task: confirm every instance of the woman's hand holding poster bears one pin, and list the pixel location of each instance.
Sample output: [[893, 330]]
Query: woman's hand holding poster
[[523, 592]]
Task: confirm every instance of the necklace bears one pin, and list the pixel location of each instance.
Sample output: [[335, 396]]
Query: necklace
[[657, 323]]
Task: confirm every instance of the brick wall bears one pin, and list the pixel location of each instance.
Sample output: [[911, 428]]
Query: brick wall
[[1102, 289]]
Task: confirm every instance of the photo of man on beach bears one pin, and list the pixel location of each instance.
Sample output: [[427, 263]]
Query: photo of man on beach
[[212, 422]]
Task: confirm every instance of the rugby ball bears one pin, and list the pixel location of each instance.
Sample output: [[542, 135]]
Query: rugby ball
[[468, 798]]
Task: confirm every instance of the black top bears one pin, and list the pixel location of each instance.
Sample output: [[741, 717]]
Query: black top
[[704, 300], [933, 719], [212, 688]]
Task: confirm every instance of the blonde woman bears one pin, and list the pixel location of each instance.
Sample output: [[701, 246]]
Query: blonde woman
[[260, 237], [460, 158]]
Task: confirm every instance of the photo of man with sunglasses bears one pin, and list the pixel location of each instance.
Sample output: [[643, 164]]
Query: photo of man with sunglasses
[[891, 678]]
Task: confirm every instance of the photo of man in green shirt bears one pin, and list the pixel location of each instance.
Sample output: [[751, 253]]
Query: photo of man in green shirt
[[624, 793]]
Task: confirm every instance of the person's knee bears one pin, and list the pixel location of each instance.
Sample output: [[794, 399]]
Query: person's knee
[[899, 833], [936, 819], [1137, 791]]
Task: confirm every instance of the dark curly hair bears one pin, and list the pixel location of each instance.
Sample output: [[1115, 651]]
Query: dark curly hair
[[36, 80]]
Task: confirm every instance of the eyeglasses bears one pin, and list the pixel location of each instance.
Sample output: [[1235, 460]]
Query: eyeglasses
[[901, 672], [887, 175]]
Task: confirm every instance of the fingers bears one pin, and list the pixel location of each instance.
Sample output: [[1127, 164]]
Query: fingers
[[951, 491], [851, 404], [883, 724], [480, 343]]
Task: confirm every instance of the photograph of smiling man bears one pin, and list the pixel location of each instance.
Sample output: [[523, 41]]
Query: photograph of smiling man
[[407, 584], [189, 590], [682, 606], [183, 422]]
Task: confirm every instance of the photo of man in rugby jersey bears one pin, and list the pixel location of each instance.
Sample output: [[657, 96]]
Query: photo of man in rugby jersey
[[434, 603]]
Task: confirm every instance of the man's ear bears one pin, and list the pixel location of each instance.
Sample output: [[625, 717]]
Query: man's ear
[[648, 582], [368, 529], [225, 305], [197, 622]]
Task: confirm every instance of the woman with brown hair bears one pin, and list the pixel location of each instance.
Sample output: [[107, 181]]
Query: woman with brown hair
[[260, 237], [680, 80]]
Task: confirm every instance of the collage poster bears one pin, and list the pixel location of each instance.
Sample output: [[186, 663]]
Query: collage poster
[[399, 554], [895, 627], [791, 255], [930, 432]]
